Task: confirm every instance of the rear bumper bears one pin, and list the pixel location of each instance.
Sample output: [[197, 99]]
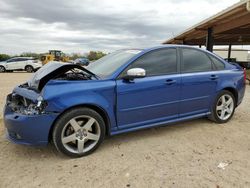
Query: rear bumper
[[28, 129]]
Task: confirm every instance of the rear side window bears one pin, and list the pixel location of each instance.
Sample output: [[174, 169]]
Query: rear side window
[[195, 61], [10, 60], [27, 59], [19, 59], [157, 62], [218, 64]]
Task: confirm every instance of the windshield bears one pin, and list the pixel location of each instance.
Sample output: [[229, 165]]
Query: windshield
[[107, 65]]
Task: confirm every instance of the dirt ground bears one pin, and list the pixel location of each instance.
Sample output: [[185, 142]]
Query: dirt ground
[[182, 155]]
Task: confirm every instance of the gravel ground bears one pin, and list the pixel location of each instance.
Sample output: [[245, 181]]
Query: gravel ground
[[182, 155]]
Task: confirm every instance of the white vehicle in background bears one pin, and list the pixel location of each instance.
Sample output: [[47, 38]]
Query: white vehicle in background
[[28, 64]]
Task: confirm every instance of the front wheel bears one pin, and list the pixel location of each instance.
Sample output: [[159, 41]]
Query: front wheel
[[2, 69], [223, 108], [78, 132]]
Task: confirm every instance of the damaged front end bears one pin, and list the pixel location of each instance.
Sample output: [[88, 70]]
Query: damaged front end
[[25, 106], [27, 116]]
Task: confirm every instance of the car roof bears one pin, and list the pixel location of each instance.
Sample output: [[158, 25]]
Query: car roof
[[173, 46], [180, 46], [166, 46]]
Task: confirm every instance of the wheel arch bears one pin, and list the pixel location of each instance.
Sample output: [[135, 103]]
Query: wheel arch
[[233, 91], [28, 65], [94, 107]]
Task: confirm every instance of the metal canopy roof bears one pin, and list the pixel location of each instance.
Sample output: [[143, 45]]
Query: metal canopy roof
[[230, 26]]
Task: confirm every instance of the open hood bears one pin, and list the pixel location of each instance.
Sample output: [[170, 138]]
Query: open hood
[[53, 70]]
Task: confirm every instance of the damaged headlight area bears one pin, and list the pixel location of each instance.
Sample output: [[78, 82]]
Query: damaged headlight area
[[22, 105]]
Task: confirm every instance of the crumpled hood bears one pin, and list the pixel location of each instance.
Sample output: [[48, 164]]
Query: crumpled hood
[[50, 71]]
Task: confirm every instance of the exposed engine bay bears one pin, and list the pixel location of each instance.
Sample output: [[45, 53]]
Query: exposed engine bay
[[73, 75]]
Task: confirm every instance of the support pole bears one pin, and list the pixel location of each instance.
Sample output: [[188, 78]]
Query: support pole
[[209, 39], [229, 51]]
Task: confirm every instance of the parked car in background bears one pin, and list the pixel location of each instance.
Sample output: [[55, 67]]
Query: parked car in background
[[82, 61], [76, 107], [28, 64]]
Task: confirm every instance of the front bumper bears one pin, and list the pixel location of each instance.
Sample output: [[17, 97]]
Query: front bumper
[[28, 129]]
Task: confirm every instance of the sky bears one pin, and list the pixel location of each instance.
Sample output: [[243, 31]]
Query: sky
[[106, 25]]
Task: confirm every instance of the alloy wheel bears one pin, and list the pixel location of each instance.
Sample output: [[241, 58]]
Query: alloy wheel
[[81, 134], [2, 69], [225, 107], [29, 69]]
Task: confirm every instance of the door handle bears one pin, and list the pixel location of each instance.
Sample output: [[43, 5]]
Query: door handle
[[170, 81], [214, 77]]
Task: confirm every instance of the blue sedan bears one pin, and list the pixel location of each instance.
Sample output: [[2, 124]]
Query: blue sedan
[[76, 107]]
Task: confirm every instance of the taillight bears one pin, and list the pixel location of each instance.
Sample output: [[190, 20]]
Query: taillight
[[245, 75]]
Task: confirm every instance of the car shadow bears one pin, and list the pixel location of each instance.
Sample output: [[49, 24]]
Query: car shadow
[[151, 133]]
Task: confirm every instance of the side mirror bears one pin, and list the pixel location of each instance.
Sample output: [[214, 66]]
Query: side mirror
[[135, 73]]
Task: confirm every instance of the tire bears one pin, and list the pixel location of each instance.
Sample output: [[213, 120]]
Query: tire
[[2, 69], [29, 68], [78, 132], [224, 104]]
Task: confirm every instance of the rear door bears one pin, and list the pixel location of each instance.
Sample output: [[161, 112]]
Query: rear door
[[154, 98], [199, 82], [21, 63]]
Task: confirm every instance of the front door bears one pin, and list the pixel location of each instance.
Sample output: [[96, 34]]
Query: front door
[[11, 64], [154, 98]]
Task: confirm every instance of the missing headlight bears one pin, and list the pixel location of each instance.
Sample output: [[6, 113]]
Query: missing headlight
[[26, 106]]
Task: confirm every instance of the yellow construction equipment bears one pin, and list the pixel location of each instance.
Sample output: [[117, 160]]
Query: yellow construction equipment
[[54, 55]]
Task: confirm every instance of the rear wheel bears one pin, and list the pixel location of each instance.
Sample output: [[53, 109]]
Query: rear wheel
[[29, 68], [223, 108], [78, 132], [2, 69]]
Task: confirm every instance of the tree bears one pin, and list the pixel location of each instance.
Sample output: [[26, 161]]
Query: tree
[[74, 56], [4, 57], [94, 55], [30, 54]]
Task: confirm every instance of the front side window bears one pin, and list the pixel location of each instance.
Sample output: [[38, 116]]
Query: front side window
[[11, 60], [157, 62], [195, 61]]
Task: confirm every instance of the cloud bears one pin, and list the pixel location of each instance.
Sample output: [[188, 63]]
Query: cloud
[[79, 26]]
